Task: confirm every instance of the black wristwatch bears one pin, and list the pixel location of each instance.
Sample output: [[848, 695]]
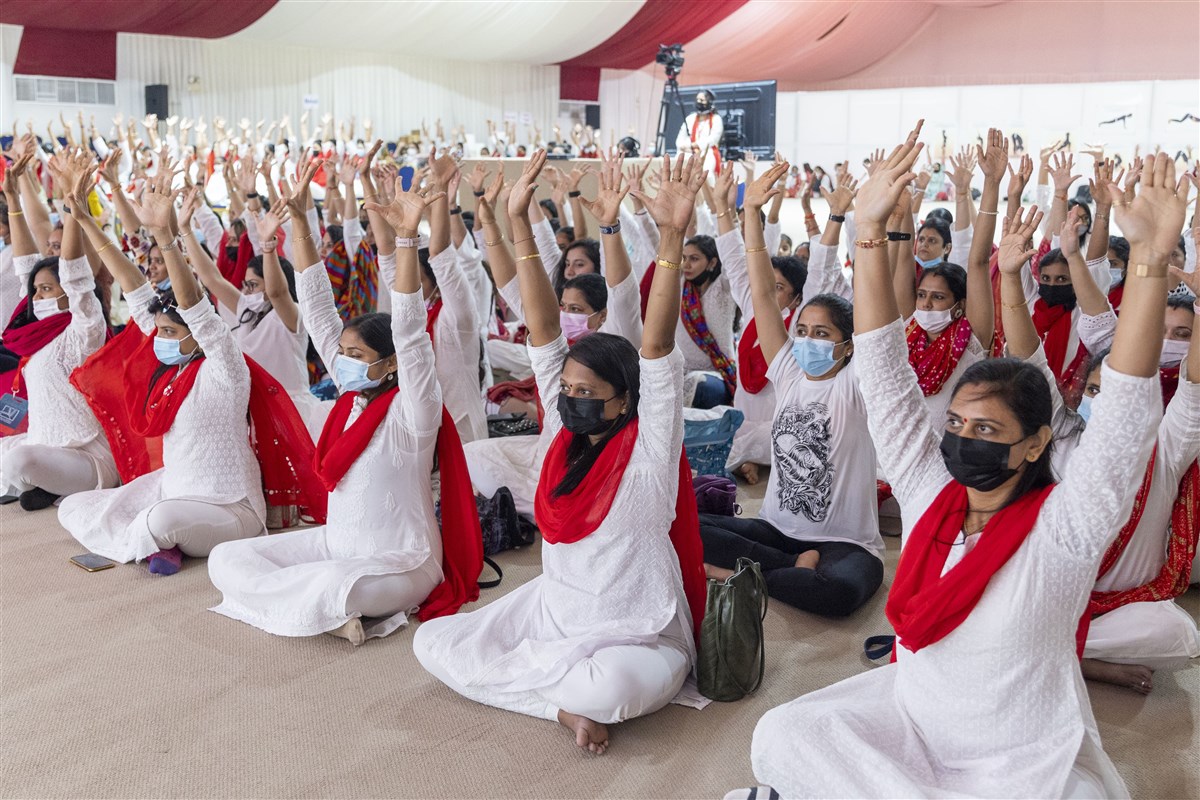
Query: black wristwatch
[[252, 196], [574, 194], [836, 218], [479, 194], [456, 210], [896, 236]]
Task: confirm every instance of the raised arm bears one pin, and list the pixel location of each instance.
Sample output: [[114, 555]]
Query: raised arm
[[1015, 251], [404, 215], [671, 208], [772, 334], [18, 227], [960, 176], [206, 270], [304, 242], [574, 197], [1017, 180], [1092, 301], [122, 269], [606, 208], [157, 211], [901, 260], [537, 295], [275, 285], [1060, 173], [1098, 243], [981, 306]]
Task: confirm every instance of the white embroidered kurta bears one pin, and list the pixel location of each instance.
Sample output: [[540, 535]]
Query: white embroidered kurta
[[206, 453], [380, 519], [719, 311], [620, 585], [59, 416], [998, 707]]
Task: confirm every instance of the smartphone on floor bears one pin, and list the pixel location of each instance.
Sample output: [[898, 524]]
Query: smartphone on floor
[[92, 562]]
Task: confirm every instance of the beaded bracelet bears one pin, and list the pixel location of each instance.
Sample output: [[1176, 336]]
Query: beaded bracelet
[[869, 244]]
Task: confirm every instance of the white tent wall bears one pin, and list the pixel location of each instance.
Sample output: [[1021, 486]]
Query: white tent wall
[[829, 126], [238, 79]]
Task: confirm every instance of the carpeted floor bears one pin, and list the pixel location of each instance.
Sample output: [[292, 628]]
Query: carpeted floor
[[120, 684]]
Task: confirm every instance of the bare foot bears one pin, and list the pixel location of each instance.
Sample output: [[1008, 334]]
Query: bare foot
[[589, 735], [749, 471], [352, 631], [1129, 676], [717, 573], [808, 559]]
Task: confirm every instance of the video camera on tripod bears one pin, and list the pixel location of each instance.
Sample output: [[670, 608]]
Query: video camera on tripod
[[671, 57]]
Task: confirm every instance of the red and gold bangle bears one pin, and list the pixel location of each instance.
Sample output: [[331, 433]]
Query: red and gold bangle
[[869, 244]]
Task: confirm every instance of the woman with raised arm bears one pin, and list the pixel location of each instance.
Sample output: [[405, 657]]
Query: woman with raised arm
[[380, 555], [817, 538], [606, 632], [58, 323], [588, 304], [176, 374], [985, 696]]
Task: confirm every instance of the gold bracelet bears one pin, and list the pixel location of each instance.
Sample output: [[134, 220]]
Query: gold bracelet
[[1150, 270], [521, 241], [869, 244], [493, 244], [750, 250], [16, 213], [529, 257], [105, 247], [305, 238], [1017, 307], [723, 213], [662, 262]]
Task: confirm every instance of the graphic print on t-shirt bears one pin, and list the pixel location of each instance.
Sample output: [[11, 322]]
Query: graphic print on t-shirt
[[800, 437]]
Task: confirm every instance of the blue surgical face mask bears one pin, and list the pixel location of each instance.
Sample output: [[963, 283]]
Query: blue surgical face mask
[[1117, 275], [351, 374], [163, 285], [813, 356], [1085, 408], [927, 263], [167, 350]]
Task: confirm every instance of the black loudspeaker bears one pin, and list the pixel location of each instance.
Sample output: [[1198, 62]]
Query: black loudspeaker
[[156, 100], [591, 115]]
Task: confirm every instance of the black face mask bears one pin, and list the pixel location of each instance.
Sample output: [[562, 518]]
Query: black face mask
[[1060, 295], [231, 253], [976, 463], [583, 416]]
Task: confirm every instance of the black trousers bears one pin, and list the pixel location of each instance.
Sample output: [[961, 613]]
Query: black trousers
[[846, 576]]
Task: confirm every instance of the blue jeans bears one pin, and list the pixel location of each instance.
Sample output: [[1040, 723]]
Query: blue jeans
[[711, 393]]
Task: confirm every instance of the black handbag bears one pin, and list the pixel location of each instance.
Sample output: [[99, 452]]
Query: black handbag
[[732, 655]]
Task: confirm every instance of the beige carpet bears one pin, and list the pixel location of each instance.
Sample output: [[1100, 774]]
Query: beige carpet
[[119, 684]]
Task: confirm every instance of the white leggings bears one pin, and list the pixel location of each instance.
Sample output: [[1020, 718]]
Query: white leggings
[[388, 595], [58, 470], [612, 685], [196, 527]]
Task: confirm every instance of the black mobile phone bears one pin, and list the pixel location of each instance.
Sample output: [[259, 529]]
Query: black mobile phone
[[92, 562]]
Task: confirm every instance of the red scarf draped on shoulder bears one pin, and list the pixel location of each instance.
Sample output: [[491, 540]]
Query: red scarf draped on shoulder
[[571, 517], [934, 362], [1054, 325], [462, 540], [924, 605], [115, 382], [25, 340], [1169, 380], [1172, 579], [716, 152], [752, 366], [234, 270]]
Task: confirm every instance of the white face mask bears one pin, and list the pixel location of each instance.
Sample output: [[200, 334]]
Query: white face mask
[[255, 301], [934, 321], [1173, 351], [44, 309]]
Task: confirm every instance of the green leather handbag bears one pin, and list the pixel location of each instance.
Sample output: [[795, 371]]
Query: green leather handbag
[[733, 654]]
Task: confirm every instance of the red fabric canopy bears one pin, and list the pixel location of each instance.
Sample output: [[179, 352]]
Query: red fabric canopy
[[91, 49], [636, 44]]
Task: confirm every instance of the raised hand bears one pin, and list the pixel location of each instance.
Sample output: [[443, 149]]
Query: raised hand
[[12, 189], [522, 190], [726, 185], [478, 177], [385, 184], [763, 188], [1060, 172], [442, 167], [877, 197], [606, 208], [297, 199], [485, 206], [244, 174], [1016, 243], [994, 161], [1155, 216], [1068, 238], [576, 176], [405, 211], [839, 199], [876, 160], [962, 167], [675, 202], [268, 224], [1018, 179], [347, 172], [1102, 175], [156, 209], [191, 203]]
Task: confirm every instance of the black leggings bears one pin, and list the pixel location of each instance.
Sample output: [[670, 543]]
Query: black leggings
[[846, 576]]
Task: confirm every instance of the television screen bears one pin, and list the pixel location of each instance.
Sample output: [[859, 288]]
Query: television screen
[[746, 109]]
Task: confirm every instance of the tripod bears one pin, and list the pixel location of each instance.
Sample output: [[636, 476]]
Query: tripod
[[670, 95]]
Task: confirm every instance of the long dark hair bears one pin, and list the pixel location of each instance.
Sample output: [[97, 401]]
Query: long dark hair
[[590, 247], [1024, 389], [255, 265], [615, 361]]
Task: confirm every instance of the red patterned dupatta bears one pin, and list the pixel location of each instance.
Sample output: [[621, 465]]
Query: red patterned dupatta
[[752, 366], [115, 382], [1172, 579], [691, 311], [934, 362]]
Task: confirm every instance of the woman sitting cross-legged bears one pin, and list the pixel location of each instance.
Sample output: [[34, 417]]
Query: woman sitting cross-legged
[[606, 632], [818, 536], [985, 697], [380, 555]]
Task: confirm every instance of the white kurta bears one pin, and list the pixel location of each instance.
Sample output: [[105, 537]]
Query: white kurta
[[206, 453], [707, 137], [998, 707], [59, 416], [380, 520], [621, 585], [719, 311]]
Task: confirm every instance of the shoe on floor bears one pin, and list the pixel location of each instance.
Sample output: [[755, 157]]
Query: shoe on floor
[[166, 562], [36, 499]]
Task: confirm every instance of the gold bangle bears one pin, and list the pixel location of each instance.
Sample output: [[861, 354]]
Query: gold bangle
[[493, 244], [750, 250], [105, 247], [16, 213], [723, 213], [305, 238], [869, 244], [522, 241], [662, 262], [1150, 270], [529, 257], [1017, 307]]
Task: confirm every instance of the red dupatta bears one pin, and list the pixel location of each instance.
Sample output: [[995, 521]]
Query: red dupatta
[[934, 362], [569, 518], [462, 540], [115, 382], [752, 366], [26, 340], [715, 151], [1168, 378], [924, 605], [1054, 325]]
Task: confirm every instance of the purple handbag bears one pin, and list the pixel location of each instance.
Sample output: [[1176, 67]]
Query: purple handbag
[[716, 495]]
